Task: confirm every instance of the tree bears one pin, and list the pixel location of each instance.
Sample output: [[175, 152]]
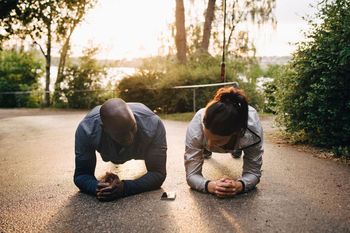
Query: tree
[[44, 22], [275, 72], [19, 71], [74, 15], [81, 83], [209, 17], [314, 99], [254, 72], [35, 20], [180, 37], [238, 13], [7, 6]]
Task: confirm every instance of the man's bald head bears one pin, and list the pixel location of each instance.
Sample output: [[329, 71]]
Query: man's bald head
[[118, 121]]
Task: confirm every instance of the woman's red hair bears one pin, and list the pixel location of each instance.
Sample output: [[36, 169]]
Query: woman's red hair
[[227, 112]]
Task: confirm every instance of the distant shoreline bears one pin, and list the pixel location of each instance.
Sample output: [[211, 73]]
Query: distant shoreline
[[137, 62]]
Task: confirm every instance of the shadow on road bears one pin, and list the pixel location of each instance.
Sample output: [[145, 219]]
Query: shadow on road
[[224, 215], [83, 213], [139, 213]]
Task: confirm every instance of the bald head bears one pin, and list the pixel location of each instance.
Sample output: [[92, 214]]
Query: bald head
[[118, 121]]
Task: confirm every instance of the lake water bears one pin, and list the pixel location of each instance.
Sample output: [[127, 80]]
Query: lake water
[[117, 73], [113, 74]]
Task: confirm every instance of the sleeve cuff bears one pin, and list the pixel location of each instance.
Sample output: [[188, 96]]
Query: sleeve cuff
[[206, 186], [243, 189]]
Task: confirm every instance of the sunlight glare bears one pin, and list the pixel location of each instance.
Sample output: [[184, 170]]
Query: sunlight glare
[[131, 29], [124, 29]]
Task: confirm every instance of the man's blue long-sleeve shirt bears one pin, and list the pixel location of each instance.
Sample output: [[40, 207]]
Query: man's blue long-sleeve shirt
[[149, 145]]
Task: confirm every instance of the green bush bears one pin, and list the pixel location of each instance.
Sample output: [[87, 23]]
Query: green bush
[[343, 153], [276, 72], [153, 84], [314, 94], [270, 89], [19, 71], [81, 86], [139, 87]]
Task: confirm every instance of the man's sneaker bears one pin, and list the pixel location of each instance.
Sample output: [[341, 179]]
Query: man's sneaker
[[237, 154], [207, 154]]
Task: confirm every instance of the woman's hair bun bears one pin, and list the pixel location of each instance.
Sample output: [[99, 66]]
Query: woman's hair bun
[[227, 112], [231, 97]]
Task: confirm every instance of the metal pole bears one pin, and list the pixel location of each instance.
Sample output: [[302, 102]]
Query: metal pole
[[194, 99], [223, 65]]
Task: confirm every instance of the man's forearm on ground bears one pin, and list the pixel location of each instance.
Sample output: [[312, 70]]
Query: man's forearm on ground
[[150, 181], [86, 183], [84, 177]]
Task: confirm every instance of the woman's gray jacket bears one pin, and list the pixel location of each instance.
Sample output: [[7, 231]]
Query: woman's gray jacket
[[251, 143]]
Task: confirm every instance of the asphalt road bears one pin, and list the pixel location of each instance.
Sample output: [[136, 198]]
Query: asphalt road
[[297, 192]]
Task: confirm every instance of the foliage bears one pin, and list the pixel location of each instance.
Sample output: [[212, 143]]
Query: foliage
[[239, 13], [33, 19], [139, 87], [19, 71], [275, 72], [153, 84], [270, 89], [237, 41], [185, 117], [81, 85], [314, 94], [342, 152], [76, 11], [43, 22], [254, 72], [255, 98]]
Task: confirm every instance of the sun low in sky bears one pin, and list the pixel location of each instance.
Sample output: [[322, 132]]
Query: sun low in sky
[[134, 28]]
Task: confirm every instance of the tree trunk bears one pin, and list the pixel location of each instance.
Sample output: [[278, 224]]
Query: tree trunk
[[61, 65], [65, 49], [62, 60], [229, 39], [180, 37], [48, 65], [209, 17], [64, 52]]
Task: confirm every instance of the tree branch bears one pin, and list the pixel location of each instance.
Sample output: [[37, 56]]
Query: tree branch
[[41, 49]]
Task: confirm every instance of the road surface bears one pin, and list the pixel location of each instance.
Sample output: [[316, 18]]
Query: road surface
[[297, 192]]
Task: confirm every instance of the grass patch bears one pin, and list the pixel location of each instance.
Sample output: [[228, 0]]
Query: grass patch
[[185, 117], [263, 115]]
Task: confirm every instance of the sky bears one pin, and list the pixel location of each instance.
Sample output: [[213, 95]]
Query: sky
[[133, 28]]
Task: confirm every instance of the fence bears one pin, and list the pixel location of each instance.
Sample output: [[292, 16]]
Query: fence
[[204, 85], [194, 87], [17, 98]]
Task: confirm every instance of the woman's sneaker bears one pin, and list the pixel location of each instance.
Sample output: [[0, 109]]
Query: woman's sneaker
[[207, 154], [237, 154]]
